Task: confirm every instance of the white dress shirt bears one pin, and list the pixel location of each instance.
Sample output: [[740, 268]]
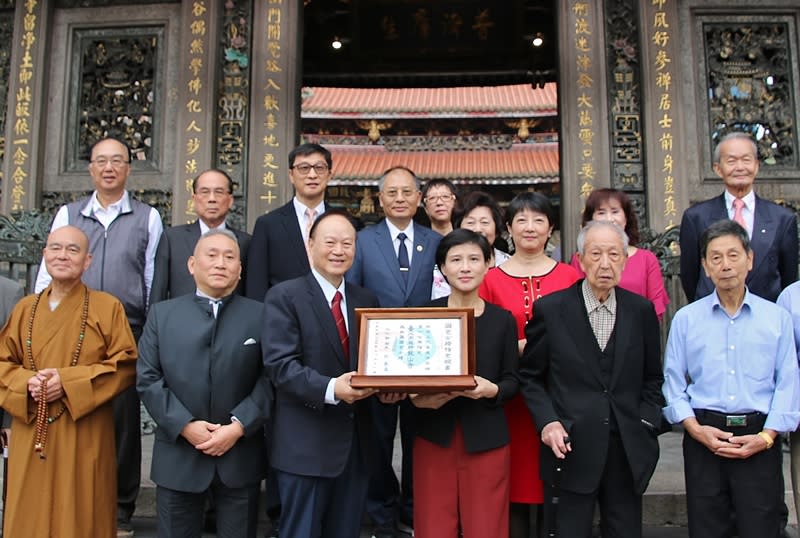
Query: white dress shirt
[[409, 231], [329, 291], [748, 211]]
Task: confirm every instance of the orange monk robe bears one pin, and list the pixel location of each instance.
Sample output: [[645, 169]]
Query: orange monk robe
[[73, 492]]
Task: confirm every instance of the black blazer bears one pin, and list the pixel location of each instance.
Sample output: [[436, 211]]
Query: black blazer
[[171, 276], [774, 244], [302, 352], [277, 251], [496, 359], [561, 380], [192, 366]]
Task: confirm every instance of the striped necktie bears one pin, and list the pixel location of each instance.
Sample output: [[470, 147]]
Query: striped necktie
[[341, 327]]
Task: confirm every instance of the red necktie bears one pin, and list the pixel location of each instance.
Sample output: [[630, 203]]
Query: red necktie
[[336, 308], [738, 205]]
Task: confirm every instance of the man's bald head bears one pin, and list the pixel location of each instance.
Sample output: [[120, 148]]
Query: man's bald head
[[66, 254]]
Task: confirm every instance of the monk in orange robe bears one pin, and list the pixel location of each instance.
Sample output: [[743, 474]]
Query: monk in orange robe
[[64, 354]]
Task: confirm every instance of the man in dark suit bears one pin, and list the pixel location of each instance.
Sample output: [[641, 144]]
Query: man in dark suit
[[212, 194], [772, 229], [591, 376], [395, 260], [320, 445], [278, 249], [201, 376]]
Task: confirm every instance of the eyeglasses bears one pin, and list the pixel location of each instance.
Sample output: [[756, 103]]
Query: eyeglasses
[[439, 198], [206, 193], [116, 162], [305, 168]]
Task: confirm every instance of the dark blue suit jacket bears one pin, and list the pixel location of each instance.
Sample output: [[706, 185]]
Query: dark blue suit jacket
[[774, 244], [376, 268], [277, 251], [192, 366], [302, 352]]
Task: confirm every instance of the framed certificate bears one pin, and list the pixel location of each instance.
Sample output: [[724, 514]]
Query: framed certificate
[[415, 349]]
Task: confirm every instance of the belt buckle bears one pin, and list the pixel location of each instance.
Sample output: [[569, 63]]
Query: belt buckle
[[736, 420]]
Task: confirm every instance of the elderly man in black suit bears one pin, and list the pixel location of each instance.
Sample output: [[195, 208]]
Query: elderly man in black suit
[[278, 249], [320, 445], [212, 194], [200, 375], [591, 376], [772, 228]]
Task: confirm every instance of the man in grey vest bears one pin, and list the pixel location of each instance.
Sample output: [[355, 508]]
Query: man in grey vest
[[123, 236]]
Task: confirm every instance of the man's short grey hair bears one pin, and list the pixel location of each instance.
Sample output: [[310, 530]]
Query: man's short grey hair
[[601, 224], [382, 180], [221, 231], [735, 135]]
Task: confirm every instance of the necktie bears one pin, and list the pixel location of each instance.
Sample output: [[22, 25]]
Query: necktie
[[311, 214], [738, 205], [341, 328], [402, 256]]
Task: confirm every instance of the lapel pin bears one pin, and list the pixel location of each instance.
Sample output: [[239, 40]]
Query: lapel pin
[[419, 248]]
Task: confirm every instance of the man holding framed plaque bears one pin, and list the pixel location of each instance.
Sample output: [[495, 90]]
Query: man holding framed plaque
[[320, 446]]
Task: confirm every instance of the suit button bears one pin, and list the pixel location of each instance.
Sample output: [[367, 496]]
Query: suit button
[[351, 415], [605, 421]]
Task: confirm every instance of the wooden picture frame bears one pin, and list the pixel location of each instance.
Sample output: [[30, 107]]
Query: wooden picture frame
[[415, 349]]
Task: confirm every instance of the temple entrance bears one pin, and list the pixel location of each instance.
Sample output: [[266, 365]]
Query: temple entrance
[[455, 91]]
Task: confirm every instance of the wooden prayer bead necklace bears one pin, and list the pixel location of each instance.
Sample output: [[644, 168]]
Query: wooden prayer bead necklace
[[42, 420]]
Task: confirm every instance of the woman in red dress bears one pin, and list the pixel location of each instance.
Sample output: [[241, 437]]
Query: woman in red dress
[[516, 285]]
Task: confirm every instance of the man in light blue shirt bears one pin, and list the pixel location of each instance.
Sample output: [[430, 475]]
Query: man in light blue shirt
[[731, 378], [790, 300]]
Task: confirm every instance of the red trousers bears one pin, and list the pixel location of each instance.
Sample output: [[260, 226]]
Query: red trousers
[[456, 490]]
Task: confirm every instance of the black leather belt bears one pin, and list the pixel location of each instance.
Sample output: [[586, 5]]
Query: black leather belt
[[740, 422]]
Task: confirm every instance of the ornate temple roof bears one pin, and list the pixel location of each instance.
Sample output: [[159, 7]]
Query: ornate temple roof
[[514, 101], [521, 164]]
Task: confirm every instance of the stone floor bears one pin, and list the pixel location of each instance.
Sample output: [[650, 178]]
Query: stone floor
[[664, 503]]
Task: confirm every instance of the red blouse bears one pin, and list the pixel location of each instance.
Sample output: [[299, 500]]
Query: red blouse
[[518, 295]]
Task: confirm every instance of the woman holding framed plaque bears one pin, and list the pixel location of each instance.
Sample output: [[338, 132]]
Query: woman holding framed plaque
[[515, 285], [461, 454]]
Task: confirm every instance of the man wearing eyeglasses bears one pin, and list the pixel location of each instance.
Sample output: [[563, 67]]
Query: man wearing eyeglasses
[[212, 196], [394, 260], [123, 236], [278, 249]]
